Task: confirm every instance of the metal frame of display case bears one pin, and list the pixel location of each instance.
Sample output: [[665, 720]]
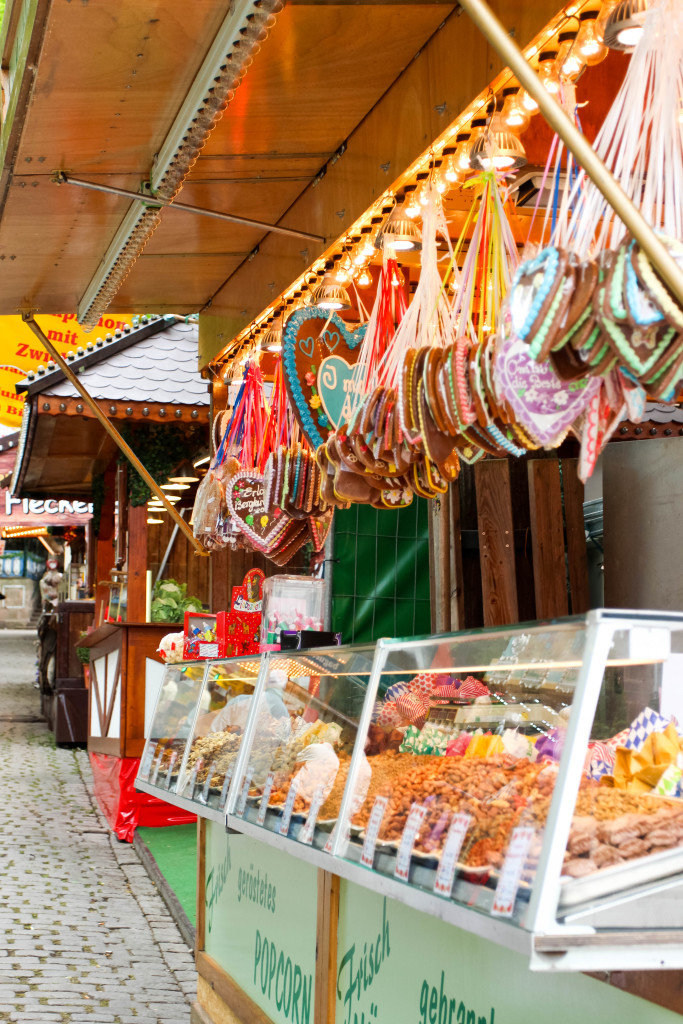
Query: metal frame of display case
[[176, 798], [551, 944]]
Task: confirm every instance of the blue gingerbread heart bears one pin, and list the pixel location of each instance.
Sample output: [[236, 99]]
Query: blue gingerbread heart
[[329, 334]]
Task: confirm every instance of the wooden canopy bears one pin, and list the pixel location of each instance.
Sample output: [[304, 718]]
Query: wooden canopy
[[337, 102]]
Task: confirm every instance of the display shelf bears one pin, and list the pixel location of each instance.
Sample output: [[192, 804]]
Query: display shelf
[[483, 778]]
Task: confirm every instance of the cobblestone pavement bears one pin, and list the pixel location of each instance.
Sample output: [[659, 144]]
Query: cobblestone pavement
[[85, 937]]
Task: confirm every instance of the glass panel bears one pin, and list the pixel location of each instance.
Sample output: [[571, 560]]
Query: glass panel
[[162, 758], [304, 734], [217, 734], [627, 828], [458, 766]]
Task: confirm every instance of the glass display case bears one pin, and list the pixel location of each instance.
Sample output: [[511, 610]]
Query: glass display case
[[196, 732], [523, 783], [299, 742]]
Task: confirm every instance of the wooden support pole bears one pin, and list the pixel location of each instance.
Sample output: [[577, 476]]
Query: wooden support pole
[[496, 542], [547, 538], [137, 564]]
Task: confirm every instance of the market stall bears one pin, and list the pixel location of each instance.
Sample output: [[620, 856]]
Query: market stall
[[520, 784]]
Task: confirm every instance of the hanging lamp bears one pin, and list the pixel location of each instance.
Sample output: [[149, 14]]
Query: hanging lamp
[[400, 232], [497, 148], [624, 25], [185, 474], [329, 294]]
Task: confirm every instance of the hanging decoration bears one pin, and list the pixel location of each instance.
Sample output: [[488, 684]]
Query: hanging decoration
[[318, 357], [590, 302]]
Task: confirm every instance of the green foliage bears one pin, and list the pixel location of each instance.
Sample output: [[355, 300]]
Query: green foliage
[[170, 602], [160, 447], [83, 655]]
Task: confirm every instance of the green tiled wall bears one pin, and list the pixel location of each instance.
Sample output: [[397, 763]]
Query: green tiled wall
[[380, 582]]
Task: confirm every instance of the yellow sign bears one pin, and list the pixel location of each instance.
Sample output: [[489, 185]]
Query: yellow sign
[[20, 351]]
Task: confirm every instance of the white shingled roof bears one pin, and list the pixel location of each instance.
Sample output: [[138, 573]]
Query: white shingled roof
[[161, 367]]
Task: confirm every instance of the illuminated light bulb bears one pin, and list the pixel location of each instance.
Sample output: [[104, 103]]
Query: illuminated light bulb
[[478, 131], [397, 279], [569, 61], [451, 173], [461, 160], [513, 114], [423, 188], [364, 279], [329, 294], [439, 179], [344, 271], [151, 521], [547, 71], [528, 103], [411, 206], [365, 249], [589, 42]]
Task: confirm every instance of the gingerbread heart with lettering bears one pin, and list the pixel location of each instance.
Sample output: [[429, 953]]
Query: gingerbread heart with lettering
[[245, 496], [319, 353]]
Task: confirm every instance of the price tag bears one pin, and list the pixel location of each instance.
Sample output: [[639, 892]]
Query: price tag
[[226, 786], [245, 793], [367, 857], [263, 806], [306, 834], [445, 874], [146, 762], [204, 795], [405, 849], [327, 848], [192, 778], [508, 883], [155, 773], [288, 808], [171, 765]]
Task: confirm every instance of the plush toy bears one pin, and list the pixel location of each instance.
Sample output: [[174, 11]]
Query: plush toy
[[170, 648]]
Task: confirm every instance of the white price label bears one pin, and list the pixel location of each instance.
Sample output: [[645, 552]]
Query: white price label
[[445, 874], [245, 793], [329, 845], [367, 857], [265, 799], [306, 834], [508, 883], [226, 786], [192, 777], [288, 808], [157, 767], [405, 849], [146, 762], [171, 765], [204, 795]]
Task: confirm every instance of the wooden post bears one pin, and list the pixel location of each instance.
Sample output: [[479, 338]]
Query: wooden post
[[456, 560], [547, 538], [439, 563], [496, 542], [326, 945], [577, 555], [137, 563]]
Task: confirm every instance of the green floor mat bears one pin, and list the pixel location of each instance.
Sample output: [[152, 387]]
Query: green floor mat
[[175, 850]]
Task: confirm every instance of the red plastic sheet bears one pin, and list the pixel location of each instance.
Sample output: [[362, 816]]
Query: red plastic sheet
[[125, 808]]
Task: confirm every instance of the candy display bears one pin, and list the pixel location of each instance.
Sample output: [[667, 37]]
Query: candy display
[[201, 637], [290, 603]]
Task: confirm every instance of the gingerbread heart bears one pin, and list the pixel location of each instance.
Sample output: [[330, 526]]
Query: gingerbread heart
[[245, 496], [319, 353]]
